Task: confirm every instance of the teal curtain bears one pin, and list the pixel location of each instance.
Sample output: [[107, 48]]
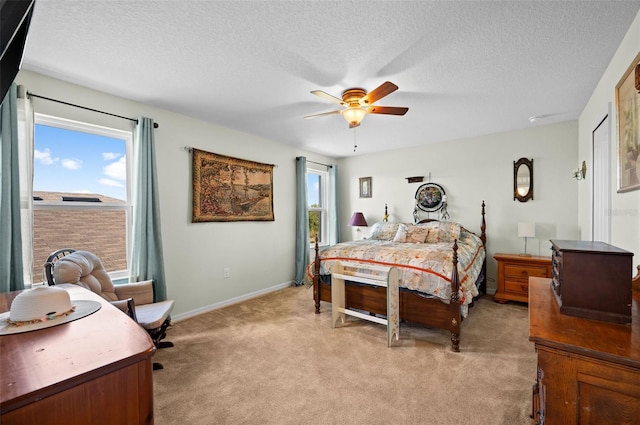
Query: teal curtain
[[334, 210], [146, 262], [11, 266], [302, 220]]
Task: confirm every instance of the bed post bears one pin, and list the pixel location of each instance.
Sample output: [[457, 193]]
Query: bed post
[[316, 279], [483, 227], [483, 238], [454, 303]]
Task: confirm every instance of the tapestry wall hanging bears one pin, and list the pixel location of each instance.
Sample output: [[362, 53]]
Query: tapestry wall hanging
[[231, 189], [628, 108]]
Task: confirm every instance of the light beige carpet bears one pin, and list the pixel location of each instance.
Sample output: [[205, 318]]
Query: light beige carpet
[[271, 360]]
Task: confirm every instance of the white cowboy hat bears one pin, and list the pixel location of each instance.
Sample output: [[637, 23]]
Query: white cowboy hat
[[43, 307]]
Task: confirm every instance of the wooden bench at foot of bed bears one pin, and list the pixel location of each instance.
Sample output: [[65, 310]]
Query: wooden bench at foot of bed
[[429, 312], [376, 276]]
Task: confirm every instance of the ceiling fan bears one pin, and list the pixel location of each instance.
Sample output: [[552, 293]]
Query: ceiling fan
[[357, 103]]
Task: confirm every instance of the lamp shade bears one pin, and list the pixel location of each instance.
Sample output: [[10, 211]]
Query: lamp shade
[[357, 219], [526, 230], [353, 115]]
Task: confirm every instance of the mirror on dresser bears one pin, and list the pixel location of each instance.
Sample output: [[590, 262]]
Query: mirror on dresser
[[523, 179]]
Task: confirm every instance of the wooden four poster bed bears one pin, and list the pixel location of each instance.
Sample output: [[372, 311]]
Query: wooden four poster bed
[[431, 309]]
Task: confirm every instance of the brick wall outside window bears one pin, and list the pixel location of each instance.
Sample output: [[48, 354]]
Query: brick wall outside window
[[101, 231]]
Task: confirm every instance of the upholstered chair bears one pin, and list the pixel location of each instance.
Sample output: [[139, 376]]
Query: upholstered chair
[[85, 269]]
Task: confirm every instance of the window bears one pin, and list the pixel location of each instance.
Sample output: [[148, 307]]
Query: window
[[81, 192], [317, 204]]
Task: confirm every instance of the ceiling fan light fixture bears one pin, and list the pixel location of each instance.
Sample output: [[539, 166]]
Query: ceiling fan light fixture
[[353, 115], [358, 103]]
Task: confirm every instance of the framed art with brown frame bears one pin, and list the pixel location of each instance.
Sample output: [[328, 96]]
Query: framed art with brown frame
[[628, 110], [231, 189], [365, 187]]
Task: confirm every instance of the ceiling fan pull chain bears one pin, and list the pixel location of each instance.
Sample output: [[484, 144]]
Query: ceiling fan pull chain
[[354, 139]]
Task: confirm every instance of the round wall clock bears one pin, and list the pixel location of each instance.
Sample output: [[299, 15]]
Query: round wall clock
[[430, 197]]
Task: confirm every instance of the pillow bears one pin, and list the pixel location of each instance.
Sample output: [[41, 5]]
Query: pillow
[[416, 234], [410, 233], [443, 231], [401, 234], [383, 231]]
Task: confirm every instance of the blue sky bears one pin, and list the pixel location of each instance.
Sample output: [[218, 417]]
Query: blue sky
[[313, 188], [77, 162]]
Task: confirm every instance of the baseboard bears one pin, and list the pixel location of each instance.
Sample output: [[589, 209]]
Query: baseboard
[[236, 300]]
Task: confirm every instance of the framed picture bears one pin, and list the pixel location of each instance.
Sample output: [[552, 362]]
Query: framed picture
[[365, 187], [231, 189], [628, 111], [430, 197]]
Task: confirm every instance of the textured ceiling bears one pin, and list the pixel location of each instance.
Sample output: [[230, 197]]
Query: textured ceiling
[[464, 68]]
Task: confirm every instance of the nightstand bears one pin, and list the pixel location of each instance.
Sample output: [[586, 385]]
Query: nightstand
[[513, 275]]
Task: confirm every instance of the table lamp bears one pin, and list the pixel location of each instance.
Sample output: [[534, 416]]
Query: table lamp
[[526, 230], [357, 220]]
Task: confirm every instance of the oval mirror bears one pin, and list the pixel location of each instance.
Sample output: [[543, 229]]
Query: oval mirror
[[523, 179]]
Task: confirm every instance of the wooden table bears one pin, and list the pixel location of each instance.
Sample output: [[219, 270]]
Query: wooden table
[[94, 370], [588, 370]]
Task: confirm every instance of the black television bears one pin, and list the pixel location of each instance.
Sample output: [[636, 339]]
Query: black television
[[15, 17]]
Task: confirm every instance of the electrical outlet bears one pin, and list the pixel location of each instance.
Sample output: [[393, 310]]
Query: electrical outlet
[[226, 273]]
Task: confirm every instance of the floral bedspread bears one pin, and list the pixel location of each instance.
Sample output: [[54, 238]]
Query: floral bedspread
[[424, 267]]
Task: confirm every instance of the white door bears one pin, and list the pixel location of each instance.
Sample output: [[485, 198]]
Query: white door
[[601, 213]]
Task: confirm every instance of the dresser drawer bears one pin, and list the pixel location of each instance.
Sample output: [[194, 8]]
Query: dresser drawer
[[518, 286], [524, 271]]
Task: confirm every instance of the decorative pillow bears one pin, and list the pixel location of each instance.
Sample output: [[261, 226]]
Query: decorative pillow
[[410, 233], [383, 231], [416, 234], [401, 234], [443, 231]]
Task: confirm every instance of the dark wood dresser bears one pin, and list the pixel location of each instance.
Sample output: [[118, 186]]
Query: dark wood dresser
[[514, 272], [94, 370], [588, 370], [592, 279]]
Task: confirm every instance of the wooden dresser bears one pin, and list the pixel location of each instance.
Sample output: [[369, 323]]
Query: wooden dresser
[[513, 275], [588, 370], [94, 370]]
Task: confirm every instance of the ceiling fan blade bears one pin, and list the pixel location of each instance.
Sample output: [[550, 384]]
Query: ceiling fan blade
[[378, 93], [322, 114], [327, 96], [388, 110]]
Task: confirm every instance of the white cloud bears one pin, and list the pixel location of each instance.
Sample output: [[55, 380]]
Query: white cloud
[[72, 163], [110, 156], [117, 170], [44, 156], [109, 182]]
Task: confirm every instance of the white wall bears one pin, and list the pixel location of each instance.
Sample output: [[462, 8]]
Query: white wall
[[625, 207], [259, 254], [473, 170]]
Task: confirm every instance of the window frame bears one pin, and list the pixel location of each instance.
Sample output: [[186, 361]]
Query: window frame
[[323, 199], [84, 127]]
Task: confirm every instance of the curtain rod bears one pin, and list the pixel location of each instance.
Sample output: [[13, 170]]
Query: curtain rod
[[320, 163], [190, 150], [155, 124]]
